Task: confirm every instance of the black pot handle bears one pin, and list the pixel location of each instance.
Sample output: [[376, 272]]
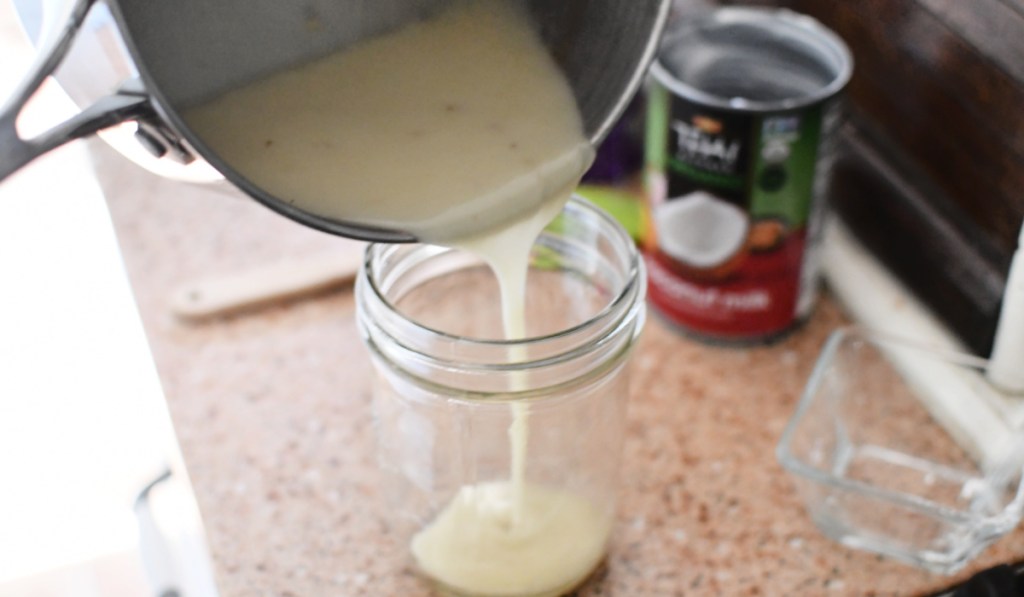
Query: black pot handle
[[113, 109]]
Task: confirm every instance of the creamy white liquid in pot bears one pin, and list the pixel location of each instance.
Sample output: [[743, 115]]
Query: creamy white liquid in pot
[[445, 128], [463, 131]]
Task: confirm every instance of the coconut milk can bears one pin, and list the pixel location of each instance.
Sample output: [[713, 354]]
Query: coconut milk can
[[741, 106]]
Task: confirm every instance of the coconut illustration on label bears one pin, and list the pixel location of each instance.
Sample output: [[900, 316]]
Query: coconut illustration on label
[[701, 235]]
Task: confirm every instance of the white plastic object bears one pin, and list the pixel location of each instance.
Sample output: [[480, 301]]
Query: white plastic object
[[1006, 364], [157, 560]]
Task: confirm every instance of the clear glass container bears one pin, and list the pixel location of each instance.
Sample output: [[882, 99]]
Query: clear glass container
[[500, 458], [892, 453]]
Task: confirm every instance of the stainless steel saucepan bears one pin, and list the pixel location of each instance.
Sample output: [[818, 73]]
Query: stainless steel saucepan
[[186, 51]]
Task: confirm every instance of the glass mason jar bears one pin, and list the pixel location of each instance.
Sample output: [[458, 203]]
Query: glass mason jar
[[500, 458]]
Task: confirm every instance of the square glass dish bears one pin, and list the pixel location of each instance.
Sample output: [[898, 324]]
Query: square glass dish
[[878, 471]]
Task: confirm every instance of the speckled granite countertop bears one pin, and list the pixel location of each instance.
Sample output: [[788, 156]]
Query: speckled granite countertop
[[272, 414]]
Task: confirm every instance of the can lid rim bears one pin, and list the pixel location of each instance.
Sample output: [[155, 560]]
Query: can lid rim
[[795, 22]]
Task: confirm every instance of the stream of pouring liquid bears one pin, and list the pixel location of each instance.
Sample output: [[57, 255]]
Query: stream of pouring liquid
[[507, 253], [514, 537], [462, 130]]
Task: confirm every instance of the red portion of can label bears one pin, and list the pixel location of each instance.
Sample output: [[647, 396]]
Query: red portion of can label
[[759, 298]]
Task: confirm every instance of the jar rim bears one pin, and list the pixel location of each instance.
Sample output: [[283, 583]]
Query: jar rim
[[633, 276]]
